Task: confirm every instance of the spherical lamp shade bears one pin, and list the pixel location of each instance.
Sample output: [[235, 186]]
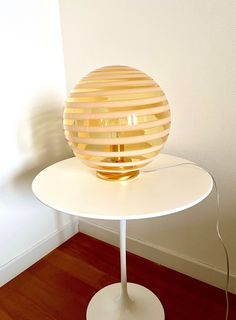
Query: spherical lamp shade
[[116, 120]]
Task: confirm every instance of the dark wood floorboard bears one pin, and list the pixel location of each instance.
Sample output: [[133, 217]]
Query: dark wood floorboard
[[59, 286]]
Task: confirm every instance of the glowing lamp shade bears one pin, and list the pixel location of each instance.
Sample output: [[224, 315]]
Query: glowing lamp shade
[[116, 120]]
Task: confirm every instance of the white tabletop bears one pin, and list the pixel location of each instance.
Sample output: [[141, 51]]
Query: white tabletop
[[71, 187]]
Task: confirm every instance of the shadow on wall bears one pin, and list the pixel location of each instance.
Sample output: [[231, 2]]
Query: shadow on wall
[[40, 142], [44, 142]]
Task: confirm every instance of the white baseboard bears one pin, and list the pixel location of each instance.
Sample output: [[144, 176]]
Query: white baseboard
[[173, 260], [27, 258]]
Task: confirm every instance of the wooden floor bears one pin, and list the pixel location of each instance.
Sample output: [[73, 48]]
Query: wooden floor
[[60, 286]]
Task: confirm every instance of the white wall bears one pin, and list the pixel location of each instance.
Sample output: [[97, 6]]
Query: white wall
[[32, 86], [187, 46]]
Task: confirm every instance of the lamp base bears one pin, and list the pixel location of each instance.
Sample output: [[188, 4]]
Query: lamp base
[[117, 176], [107, 304]]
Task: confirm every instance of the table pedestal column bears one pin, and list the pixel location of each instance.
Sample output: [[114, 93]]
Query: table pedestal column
[[124, 301]]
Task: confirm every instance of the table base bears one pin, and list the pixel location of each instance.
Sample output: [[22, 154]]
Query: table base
[[107, 304]]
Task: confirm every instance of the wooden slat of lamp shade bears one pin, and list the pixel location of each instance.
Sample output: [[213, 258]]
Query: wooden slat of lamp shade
[[116, 120]]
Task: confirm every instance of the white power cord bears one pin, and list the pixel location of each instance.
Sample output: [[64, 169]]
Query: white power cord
[[217, 226]]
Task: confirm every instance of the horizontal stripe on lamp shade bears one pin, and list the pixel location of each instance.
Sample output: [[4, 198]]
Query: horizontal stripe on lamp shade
[[116, 120]]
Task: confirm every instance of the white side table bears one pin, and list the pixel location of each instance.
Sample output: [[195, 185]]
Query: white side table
[[70, 187]]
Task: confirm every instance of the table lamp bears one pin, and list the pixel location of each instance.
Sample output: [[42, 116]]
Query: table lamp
[[116, 120]]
